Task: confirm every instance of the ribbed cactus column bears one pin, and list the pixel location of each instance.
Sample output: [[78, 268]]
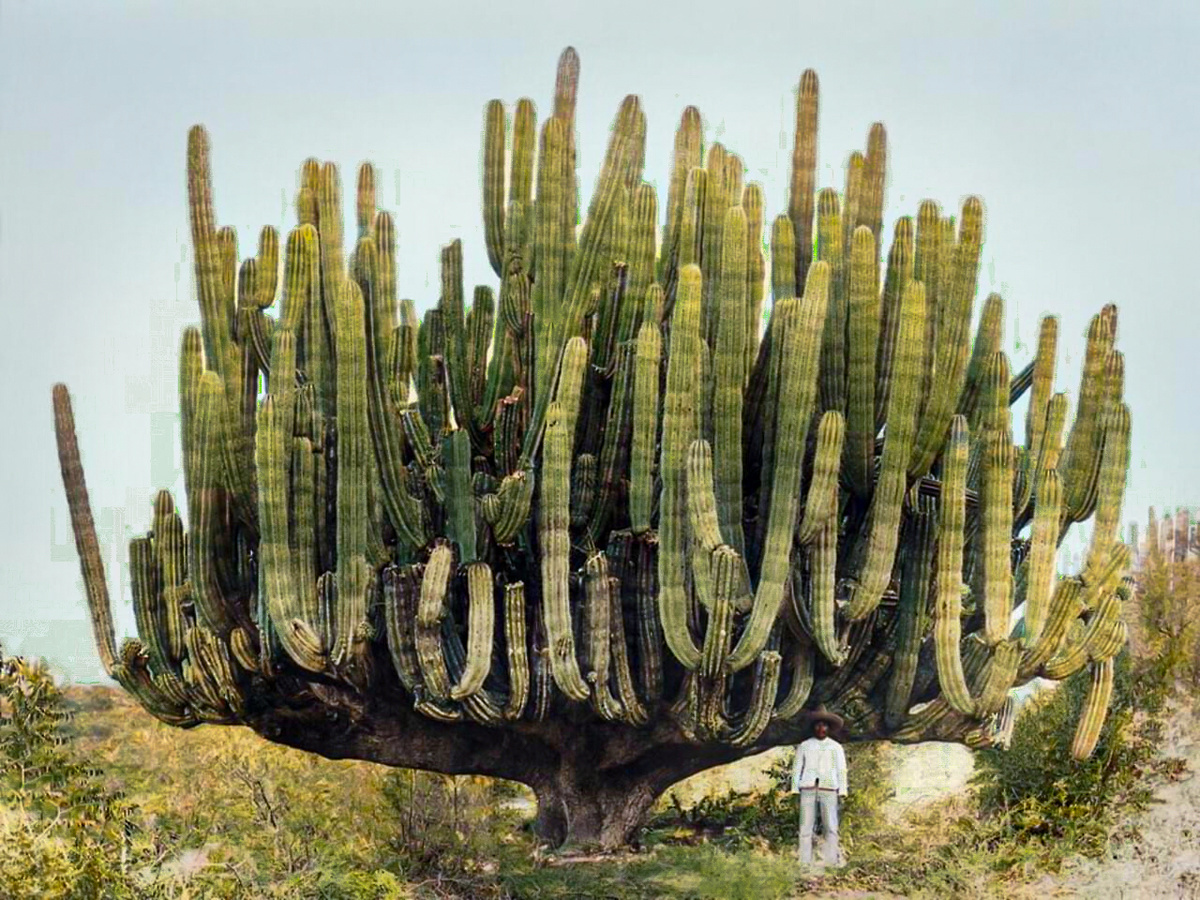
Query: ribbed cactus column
[[620, 515]]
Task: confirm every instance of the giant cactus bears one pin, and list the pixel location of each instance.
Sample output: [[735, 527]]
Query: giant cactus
[[589, 533]]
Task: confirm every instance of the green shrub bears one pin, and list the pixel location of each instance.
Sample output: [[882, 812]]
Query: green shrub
[[64, 835], [1036, 793], [453, 826]]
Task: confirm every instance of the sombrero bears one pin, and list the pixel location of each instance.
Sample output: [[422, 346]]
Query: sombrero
[[821, 714]]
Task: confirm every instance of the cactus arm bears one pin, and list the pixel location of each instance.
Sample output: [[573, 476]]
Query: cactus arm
[[1065, 606], [949, 356], [712, 232], [729, 375], [516, 648], [515, 500], [277, 571], [634, 710], [875, 558], [864, 340], [649, 631], [354, 470], [797, 390], [913, 625], [833, 343], [679, 429], [493, 184], [874, 181], [431, 610], [401, 586], [90, 560], [997, 677], [1043, 545], [210, 604], [820, 503], [988, 341], [597, 629], [1095, 710], [458, 363], [853, 197], [801, 684], [752, 202], [948, 615], [726, 578], [823, 583], [481, 626], [554, 514], [895, 283], [801, 197], [460, 497], [997, 502], [762, 700], [170, 559], [1035, 417], [1079, 456], [1114, 469], [386, 431], [615, 450], [686, 156]]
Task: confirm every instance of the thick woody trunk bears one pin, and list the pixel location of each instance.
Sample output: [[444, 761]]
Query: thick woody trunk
[[573, 808], [594, 782]]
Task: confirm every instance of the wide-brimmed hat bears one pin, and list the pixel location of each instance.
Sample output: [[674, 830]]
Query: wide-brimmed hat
[[821, 714]]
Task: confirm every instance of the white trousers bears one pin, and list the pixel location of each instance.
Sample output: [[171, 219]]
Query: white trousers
[[810, 798]]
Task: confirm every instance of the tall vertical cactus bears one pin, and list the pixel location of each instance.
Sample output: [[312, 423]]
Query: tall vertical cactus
[[601, 513]]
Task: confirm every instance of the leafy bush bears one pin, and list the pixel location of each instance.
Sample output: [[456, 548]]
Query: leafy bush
[[1037, 794], [1167, 625], [453, 826], [64, 835]]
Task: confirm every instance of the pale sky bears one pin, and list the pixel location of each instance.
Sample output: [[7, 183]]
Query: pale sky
[[1078, 123]]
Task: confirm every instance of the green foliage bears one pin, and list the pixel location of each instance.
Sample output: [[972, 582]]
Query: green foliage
[[1040, 798], [1168, 603], [64, 834], [870, 781], [455, 827]]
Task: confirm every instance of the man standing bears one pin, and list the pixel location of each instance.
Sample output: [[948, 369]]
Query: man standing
[[819, 776]]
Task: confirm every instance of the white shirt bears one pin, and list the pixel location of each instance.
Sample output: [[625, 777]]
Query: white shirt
[[820, 759]]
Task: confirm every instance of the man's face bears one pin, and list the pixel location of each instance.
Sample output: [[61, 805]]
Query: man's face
[[820, 730]]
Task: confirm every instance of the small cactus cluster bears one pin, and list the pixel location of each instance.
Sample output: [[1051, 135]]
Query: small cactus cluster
[[603, 489]]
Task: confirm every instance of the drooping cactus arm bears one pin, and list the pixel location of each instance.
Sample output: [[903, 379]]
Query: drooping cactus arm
[[554, 541], [278, 585], [516, 646], [1095, 710], [679, 429], [916, 578], [948, 615], [481, 625]]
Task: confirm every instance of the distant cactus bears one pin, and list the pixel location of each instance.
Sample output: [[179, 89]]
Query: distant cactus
[[595, 532]]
